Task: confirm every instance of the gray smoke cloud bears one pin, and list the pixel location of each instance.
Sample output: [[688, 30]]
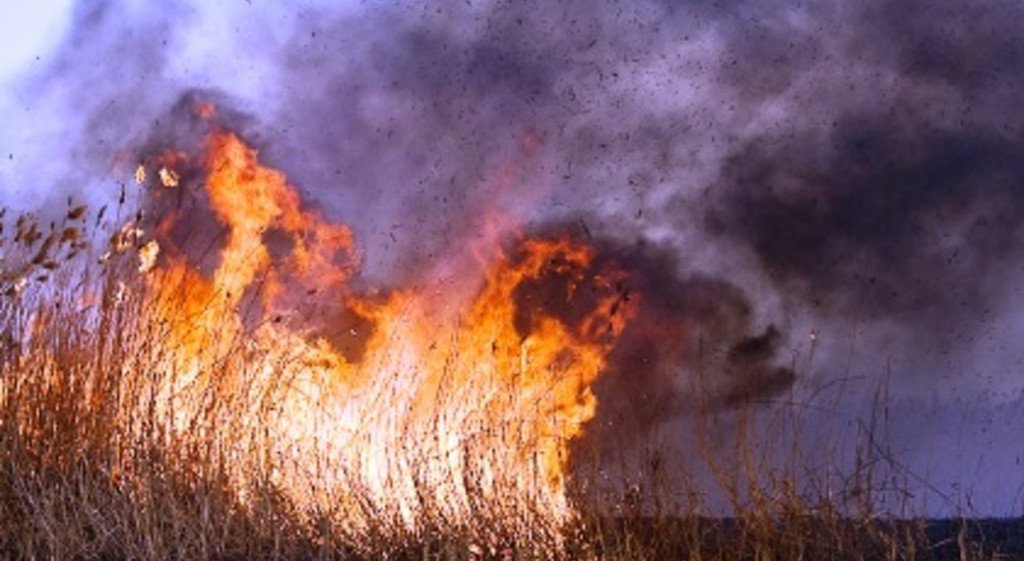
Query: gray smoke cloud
[[844, 162], [766, 169]]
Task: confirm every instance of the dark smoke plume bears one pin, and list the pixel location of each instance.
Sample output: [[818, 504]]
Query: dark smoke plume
[[900, 197], [852, 161], [887, 183], [691, 343], [881, 217]]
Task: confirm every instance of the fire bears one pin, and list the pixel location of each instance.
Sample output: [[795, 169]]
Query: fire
[[470, 404]]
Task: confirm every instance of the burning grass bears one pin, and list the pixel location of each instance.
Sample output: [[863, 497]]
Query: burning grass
[[169, 402]]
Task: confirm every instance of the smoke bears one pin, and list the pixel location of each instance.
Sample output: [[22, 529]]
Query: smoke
[[759, 166], [691, 342], [693, 345], [899, 198], [78, 109]]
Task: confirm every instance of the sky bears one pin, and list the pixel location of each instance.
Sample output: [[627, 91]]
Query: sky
[[31, 31], [848, 172]]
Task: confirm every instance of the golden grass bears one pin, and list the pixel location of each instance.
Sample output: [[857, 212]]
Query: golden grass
[[90, 470]]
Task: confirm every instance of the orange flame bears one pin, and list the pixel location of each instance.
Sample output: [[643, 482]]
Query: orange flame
[[499, 388]]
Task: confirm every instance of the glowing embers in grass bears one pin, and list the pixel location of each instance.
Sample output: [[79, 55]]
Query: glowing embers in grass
[[386, 405]]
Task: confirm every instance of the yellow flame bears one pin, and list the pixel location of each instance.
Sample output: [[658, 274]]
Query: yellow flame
[[435, 398]]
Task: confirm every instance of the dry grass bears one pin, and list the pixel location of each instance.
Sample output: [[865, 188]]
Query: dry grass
[[89, 470]]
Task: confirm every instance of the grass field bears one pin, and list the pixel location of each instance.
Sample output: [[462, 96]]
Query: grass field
[[113, 447]]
